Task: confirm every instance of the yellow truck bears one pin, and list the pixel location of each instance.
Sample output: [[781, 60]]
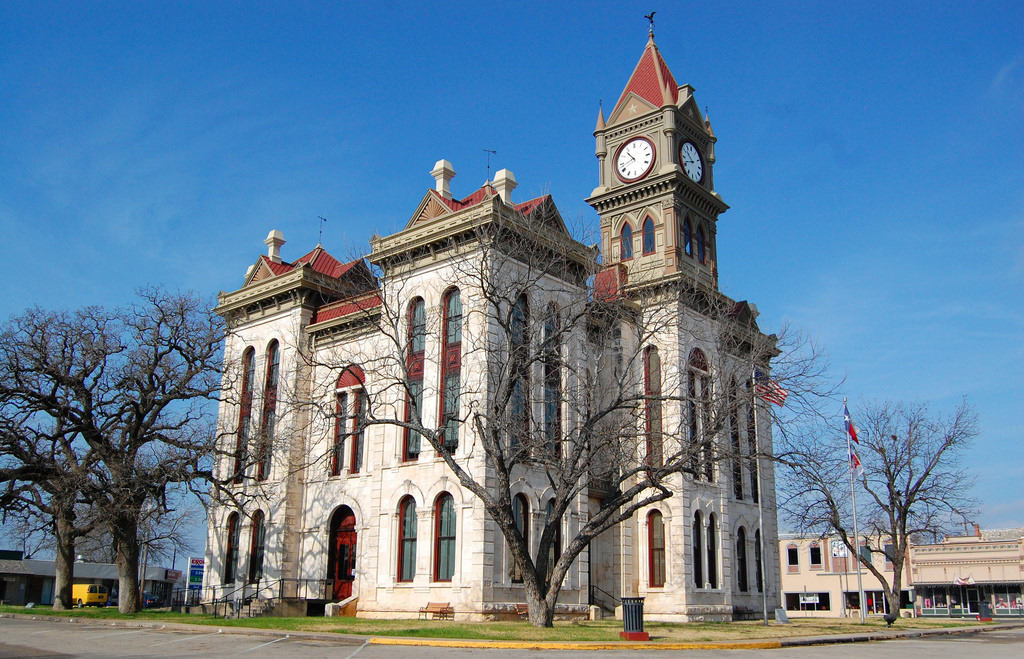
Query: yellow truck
[[88, 594]]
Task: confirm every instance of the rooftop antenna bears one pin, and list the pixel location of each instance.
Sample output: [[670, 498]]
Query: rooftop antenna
[[489, 154], [650, 18], [323, 220]]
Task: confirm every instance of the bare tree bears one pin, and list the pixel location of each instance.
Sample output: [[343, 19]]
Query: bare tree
[[913, 478], [127, 393], [557, 377]]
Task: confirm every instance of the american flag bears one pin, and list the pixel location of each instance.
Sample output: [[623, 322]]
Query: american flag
[[769, 389]]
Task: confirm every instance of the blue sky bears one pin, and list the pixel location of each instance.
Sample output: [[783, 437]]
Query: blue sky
[[872, 155]]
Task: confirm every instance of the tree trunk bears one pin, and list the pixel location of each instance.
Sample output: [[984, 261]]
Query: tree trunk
[[64, 565], [125, 535], [540, 614]]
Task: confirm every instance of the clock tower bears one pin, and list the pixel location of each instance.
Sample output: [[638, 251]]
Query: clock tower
[[656, 196]]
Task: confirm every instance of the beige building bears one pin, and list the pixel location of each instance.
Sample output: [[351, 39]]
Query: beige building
[[338, 511], [963, 576], [819, 579]]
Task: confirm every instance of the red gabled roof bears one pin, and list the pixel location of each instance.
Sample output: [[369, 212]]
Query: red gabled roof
[[608, 283], [276, 268], [651, 80], [324, 263], [471, 200], [528, 207], [348, 306]]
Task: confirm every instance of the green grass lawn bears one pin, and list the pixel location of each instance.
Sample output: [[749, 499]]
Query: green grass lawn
[[599, 630]]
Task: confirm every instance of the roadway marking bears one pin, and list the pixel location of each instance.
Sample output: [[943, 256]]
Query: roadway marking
[[187, 638], [283, 638], [89, 638], [365, 643]]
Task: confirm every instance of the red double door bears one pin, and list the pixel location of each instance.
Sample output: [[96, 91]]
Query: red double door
[[341, 554]]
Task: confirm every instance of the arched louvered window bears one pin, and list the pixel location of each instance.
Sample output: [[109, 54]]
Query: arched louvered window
[[407, 539]]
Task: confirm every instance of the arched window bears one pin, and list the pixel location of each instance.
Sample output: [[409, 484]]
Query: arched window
[[351, 419], [231, 550], [257, 547], [521, 517], [552, 383], [244, 412], [741, 560], [712, 552], [734, 437], [519, 368], [656, 549], [758, 572], [648, 236], [444, 538], [626, 242], [652, 407], [700, 245], [269, 420], [698, 554], [451, 368], [555, 548], [406, 539], [414, 374], [699, 408], [687, 237]]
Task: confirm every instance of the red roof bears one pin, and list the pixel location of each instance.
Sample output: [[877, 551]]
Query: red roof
[[318, 259], [528, 207], [348, 306], [484, 192], [651, 80], [608, 283]]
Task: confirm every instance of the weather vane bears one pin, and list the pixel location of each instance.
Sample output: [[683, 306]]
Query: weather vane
[[489, 154], [650, 19], [323, 220]]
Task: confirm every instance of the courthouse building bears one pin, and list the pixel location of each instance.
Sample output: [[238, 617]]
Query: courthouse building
[[366, 515]]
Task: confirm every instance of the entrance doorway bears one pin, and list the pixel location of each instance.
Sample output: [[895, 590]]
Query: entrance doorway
[[341, 553]]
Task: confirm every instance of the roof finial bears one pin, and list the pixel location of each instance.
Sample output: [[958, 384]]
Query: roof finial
[[489, 152], [650, 18], [322, 219]]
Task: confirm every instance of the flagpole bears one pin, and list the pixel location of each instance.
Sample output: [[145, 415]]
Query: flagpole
[[856, 533], [760, 497]]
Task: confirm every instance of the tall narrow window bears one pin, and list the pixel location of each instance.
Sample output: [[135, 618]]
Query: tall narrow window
[[648, 236], [451, 368], [257, 547], [341, 421], [656, 549], [652, 407], [444, 538], [555, 548], [699, 408], [758, 571], [269, 420], [519, 369], [734, 437], [244, 413], [552, 383], [752, 445], [698, 553], [712, 551], [741, 560], [406, 539], [521, 517], [358, 430], [700, 245], [231, 550], [414, 374], [687, 238], [626, 242]]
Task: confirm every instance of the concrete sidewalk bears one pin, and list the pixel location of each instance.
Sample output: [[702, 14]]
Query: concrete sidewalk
[[350, 639]]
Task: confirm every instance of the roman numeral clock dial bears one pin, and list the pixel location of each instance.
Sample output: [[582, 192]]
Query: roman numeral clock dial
[[635, 159]]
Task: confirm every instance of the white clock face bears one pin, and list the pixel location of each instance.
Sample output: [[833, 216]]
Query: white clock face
[[689, 158], [635, 159]]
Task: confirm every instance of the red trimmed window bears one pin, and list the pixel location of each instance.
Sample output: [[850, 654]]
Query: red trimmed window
[[626, 242], [451, 368], [417, 342], [656, 549], [269, 419], [244, 413], [648, 236], [652, 407], [444, 538], [351, 418], [340, 432], [231, 550]]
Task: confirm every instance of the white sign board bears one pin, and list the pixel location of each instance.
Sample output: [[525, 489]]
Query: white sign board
[[839, 549], [808, 598]]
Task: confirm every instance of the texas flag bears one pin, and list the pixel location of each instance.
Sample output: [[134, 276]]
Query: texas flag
[[850, 428], [855, 465]]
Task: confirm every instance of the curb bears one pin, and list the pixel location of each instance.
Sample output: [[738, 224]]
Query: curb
[[352, 640]]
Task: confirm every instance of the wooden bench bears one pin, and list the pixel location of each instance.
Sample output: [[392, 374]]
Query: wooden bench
[[438, 610], [522, 611]]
